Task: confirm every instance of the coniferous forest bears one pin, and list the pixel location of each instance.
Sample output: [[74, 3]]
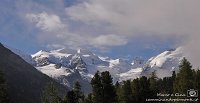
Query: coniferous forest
[[180, 86]]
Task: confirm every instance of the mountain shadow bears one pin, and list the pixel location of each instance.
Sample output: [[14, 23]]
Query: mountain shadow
[[25, 83]]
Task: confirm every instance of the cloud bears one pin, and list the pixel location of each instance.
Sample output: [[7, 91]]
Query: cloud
[[109, 40], [132, 18], [56, 30], [105, 23], [44, 21], [55, 46], [168, 17], [192, 50]]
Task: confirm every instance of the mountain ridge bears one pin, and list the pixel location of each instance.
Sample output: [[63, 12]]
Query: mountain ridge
[[63, 64], [25, 83]]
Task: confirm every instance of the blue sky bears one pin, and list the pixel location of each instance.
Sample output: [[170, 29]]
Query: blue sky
[[115, 28]]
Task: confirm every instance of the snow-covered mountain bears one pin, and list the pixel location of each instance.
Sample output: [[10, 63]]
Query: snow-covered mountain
[[61, 62], [68, 66], [164, 63]]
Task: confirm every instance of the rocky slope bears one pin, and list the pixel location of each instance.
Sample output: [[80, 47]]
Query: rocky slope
[[25, 83], [63, 63]]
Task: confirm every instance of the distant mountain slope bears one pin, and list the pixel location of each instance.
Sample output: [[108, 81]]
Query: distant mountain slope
[[25, 83], [164, 63], [67, 66], [23, 55], [62, 64]]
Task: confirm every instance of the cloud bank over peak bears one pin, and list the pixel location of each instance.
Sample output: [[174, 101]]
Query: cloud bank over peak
[[164, 19], [109, 40], [54, 27], [105, 24]]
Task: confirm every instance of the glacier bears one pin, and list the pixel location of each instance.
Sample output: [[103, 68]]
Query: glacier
[[67, 66]]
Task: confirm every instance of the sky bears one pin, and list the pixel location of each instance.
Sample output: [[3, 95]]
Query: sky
[[116, 28]]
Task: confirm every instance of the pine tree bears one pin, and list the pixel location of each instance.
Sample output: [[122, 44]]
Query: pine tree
[[173, 76], [184, 79], [75, 95], [70, 97], [135, 90], [4, 98], [153, 84], [103, 90], [109, 93], [97, 89], [144, 90], [88, 99], [117, 84], [171, 82], [161, 87], [197, 81], [50, 95], [78, 93], [165, 85], [126, 95], [117, 89]]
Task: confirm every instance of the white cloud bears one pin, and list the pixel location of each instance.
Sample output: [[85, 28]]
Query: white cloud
[[47, 22], [56, 30], [132, 18], [166, 17], [120, 21], [94, 13], [109, 40], [55, 46]]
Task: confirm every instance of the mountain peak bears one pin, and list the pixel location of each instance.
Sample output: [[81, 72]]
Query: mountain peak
[[84, 51], [61, 63], [64, 50]]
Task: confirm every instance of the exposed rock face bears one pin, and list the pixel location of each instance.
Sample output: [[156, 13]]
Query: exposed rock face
[[67, 66]]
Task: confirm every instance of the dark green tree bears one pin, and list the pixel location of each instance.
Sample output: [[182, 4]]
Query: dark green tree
[[79, 96], [75, 95], [70, 97], [126, 95], [171, 82], [184, 79], [4, 98], [173, 76], [135, 89], [144, 90], [161, 86], [153, 84], [117, 89], [103, 90], [197, 81], [88, 99], [109, 92], [97, 89], [50, 94], [166, 84]]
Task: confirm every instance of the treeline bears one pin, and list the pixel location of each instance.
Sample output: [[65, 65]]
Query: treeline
[[132, 91]]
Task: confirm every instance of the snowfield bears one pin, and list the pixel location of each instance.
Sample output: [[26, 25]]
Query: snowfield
[[67, 66]]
